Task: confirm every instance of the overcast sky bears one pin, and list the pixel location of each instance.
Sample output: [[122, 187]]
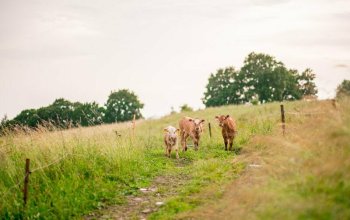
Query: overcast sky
[[163, 50]]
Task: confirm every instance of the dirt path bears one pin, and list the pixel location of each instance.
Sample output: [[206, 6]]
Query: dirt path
[[148, 200]]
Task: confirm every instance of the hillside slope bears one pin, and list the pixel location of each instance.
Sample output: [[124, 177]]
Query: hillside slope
[[304, 175], [81, 170]]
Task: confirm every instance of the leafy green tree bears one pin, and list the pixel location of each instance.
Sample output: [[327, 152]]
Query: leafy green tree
[[306, 83], [121, 106], [60, 113], [263, 76], [28, 117], [343, 89], [186, 108], [223, 88], [87, 114], [261, 79]]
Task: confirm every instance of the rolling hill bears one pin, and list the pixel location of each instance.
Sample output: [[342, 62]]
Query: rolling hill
[[108, 172]]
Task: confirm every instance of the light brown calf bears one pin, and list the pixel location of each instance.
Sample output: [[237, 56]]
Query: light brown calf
[[190, 127], [229, 129], [170, 140]]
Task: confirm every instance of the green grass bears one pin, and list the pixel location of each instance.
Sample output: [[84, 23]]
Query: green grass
[[100, 168], [206, 176]]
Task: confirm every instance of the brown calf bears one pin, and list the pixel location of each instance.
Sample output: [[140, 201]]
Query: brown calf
[[170, 140], [190, 127], [229, 129]]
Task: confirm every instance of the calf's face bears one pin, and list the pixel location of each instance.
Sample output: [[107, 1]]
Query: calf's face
[[221, 119], [198, 124], [170, 133]]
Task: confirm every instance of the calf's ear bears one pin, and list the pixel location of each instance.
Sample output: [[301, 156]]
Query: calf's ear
[[202, 121], [177, 130], [217, 117], [165, 129], [227, 116]]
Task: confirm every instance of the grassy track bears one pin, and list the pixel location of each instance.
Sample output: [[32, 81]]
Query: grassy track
[[99, 168]]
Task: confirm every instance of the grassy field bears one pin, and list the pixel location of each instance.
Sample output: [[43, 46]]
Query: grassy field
[[304, 175], [91, 168]]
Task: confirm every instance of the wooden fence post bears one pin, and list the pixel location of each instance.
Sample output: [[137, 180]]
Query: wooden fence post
[[334, 103], [283, 119], [133, 125], [26, 182], [209, 129]]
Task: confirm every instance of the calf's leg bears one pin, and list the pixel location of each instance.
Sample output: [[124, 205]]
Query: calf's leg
[[169, 152], [184, 148], [166, 150], [231, 143], [195, 144], [183, 143]]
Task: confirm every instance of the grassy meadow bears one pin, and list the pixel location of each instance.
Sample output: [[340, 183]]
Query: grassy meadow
[[92, 168]]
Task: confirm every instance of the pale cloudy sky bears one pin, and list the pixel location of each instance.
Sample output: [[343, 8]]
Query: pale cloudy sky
[[164, 50]]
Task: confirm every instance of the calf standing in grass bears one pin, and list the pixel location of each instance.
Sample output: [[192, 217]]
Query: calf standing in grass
[[229, 129], [190, 127], [170, 140]]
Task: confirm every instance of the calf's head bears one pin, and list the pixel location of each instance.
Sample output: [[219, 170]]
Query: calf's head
[[170, 132], [198, 124], [221, 119]]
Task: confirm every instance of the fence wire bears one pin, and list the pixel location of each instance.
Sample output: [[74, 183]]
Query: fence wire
[[3, 196]]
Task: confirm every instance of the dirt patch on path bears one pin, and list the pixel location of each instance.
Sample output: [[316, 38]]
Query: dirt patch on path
[[148, 200]]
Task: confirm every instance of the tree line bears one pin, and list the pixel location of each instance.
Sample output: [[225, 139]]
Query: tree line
[[121, 106], [261, 79]]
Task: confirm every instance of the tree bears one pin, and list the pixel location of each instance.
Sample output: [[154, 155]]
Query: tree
[[121, 106], [186, 108], [306, 83], [87, 114], [222, 88], [261, 79], [263, 76], [60, 113], [28, 117], [343, 89]]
